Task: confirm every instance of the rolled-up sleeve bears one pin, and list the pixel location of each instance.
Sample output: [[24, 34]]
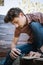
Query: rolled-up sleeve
[[17, 32]]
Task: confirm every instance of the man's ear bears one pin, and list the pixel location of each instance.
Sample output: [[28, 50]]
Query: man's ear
[[21, 14]]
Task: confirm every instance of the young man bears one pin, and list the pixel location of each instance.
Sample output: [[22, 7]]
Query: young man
[[30, 24]]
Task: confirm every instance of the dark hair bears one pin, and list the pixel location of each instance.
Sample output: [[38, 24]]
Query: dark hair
[[13, 12]]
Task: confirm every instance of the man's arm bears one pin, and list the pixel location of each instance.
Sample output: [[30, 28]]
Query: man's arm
[[14, 42], [14, 51], [16, 37]]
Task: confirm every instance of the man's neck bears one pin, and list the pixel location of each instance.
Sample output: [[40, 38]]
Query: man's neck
[[28, 19]]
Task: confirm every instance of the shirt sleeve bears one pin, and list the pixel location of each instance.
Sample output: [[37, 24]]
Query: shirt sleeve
[[36, 17], [17, 32]]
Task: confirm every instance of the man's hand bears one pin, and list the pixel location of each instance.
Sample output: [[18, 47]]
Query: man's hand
[[14, 53], [34, 54]]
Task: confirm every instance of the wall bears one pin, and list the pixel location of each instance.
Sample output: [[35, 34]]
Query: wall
[[25, 5]]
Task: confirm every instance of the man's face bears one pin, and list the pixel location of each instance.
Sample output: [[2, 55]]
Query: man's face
[[19, 21]]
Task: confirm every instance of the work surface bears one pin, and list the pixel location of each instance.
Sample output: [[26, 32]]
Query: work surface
[[26, 60]]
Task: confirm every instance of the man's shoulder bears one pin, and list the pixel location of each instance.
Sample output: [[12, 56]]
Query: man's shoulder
[[36, 16], [33, 13]]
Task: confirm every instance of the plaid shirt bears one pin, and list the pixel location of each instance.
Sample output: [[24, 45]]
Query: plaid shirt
[[38, 17]]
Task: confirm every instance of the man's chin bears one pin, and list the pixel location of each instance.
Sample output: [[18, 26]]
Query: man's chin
[[21, 26]]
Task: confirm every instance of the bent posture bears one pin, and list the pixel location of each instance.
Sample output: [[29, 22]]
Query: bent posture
[[31, 24]]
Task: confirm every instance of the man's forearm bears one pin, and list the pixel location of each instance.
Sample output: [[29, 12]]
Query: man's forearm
[[14, 42]]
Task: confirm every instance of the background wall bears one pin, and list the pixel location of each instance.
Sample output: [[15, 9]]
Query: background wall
[[25, 5]]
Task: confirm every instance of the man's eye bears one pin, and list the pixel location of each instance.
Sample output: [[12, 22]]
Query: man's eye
[[16, 22]]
